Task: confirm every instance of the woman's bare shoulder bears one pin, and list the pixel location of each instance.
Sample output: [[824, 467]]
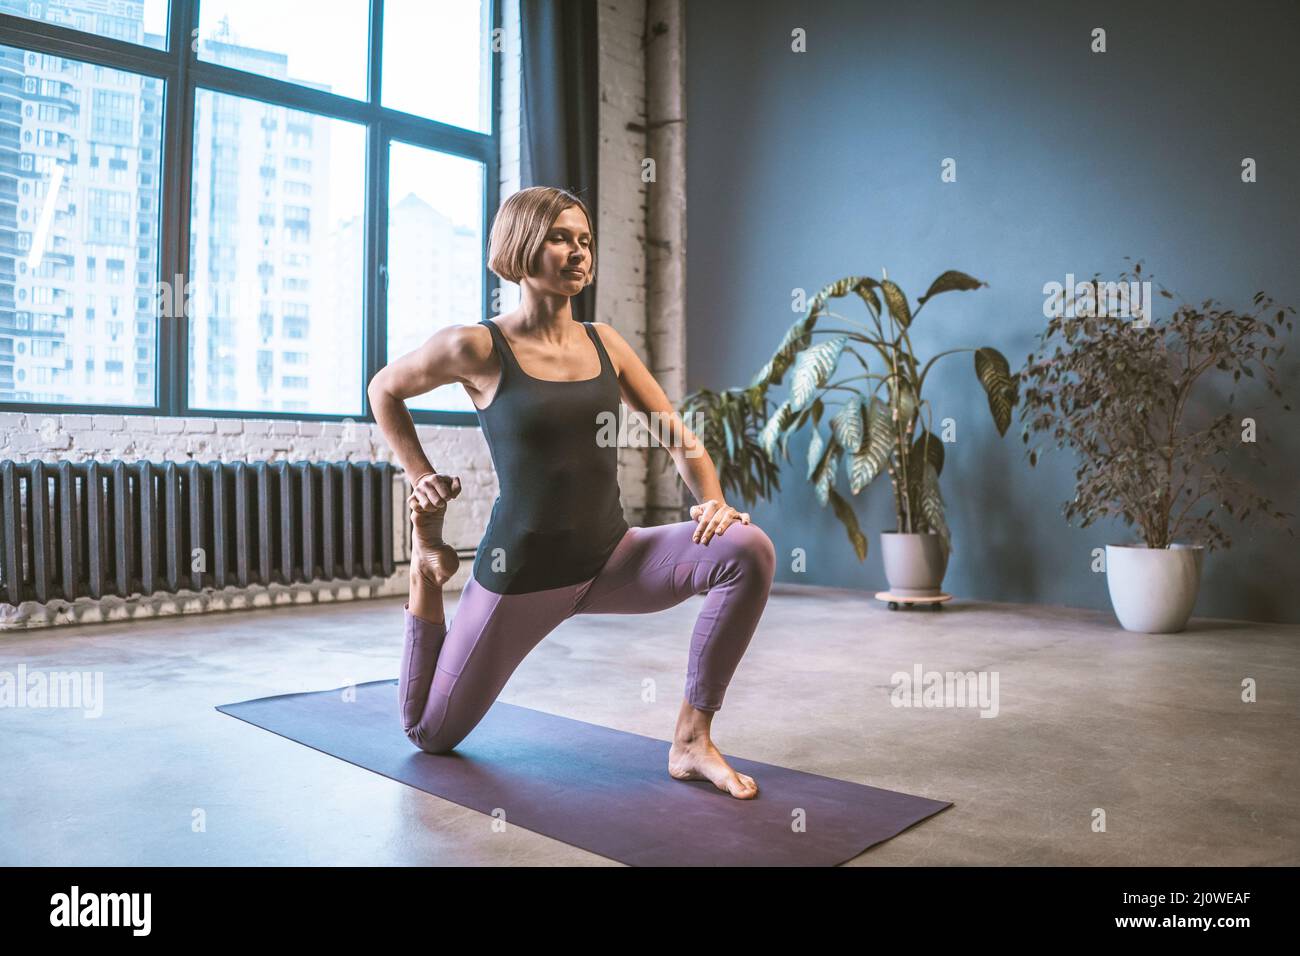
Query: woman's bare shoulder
[[475, 350], [453, 353], [460, 353], [472, 344]]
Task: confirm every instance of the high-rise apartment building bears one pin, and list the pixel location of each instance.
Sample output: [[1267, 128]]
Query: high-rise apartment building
[[78, 269]]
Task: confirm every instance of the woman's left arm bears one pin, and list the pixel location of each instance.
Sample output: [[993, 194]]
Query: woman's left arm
[[644, 395]]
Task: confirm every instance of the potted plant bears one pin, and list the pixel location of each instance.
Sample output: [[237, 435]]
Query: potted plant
[[875, 428], [1118, 392]]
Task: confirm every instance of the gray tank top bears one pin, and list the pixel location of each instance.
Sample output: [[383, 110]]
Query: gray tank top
[[558, 516]]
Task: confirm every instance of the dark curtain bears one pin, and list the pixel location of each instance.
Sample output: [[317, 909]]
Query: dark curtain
[[559, 101]]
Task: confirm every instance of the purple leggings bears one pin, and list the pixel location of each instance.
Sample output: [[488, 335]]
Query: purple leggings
[[451, 677]]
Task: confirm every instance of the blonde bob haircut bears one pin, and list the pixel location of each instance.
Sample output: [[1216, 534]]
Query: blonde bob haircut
[[521, 226]]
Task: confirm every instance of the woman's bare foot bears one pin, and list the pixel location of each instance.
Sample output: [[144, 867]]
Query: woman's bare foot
[[693, 756], [431, 557]]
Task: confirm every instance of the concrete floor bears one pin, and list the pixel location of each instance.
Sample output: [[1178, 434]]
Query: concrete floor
[[1150, 729]]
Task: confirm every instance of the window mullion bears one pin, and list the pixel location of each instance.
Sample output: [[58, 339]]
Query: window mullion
[[375, 85], [374, 334], [173, 333]]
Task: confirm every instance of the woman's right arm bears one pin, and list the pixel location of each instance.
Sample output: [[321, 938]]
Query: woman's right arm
[[435, 363]]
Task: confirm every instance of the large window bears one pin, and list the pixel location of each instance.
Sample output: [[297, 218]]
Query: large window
[[139, 21], [272, 37], [419, 34], [80, 194], [434, 245], [275, 271], [235, 207]]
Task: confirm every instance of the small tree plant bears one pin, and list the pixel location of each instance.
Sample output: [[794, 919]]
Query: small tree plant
[[1117, 392]]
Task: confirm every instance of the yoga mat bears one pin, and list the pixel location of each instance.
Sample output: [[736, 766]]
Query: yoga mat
[[599, 789]]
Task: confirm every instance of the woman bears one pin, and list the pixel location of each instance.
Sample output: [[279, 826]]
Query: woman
[[557, 545]]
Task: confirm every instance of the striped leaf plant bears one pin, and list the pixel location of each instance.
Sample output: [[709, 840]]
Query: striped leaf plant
[[879, 420]]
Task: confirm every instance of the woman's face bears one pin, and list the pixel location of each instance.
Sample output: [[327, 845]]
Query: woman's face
[[566, 254]]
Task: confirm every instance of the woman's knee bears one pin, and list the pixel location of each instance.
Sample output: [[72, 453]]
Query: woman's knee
[[437, 743], [753, 545]]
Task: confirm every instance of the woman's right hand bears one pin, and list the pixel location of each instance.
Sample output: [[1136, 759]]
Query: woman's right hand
[[433, 491]]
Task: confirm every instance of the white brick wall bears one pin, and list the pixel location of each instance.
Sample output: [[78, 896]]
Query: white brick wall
[[510, 158], [454, 450], [621, 205], [665, 232]]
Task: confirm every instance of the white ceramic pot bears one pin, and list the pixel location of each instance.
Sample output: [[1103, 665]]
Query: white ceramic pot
[[1153, 590], [914, 563]]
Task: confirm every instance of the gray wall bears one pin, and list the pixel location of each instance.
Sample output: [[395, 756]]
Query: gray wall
[[804, 168]]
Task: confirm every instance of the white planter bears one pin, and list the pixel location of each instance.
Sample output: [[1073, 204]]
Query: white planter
[[914, 563], [1153, 590]]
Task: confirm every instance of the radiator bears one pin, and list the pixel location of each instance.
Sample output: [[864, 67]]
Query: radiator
[[89, 529]]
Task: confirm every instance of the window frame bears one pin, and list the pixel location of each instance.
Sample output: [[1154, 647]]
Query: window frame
[[183, 74]]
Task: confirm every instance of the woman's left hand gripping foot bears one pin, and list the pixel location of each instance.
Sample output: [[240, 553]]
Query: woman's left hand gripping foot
[[434, 559]]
